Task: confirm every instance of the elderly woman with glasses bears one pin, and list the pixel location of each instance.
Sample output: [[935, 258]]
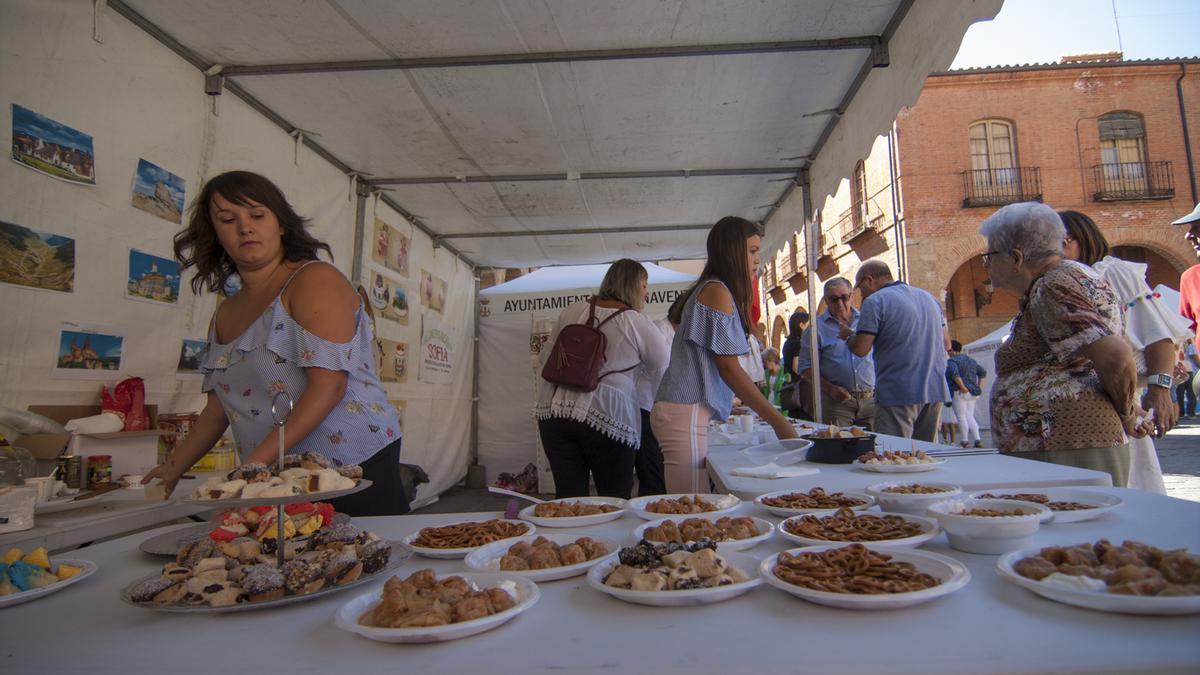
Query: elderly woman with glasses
[[1065, 378]]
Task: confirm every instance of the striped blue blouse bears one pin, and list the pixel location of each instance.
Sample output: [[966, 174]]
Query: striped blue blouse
[[692, 376]]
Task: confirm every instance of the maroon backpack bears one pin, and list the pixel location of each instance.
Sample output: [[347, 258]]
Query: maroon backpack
[[578, 354]]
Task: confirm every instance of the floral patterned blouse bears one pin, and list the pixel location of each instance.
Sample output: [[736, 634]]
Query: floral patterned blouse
[[1046, 398], [271, 355]]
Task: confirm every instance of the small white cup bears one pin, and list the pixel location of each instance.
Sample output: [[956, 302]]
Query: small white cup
[[44, 486], [746, 422]]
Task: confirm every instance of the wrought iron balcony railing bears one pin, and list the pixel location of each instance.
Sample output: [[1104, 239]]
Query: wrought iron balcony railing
[[996, 187], [1133, 180]]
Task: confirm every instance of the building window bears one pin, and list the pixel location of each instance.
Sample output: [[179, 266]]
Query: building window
[[995, 176], [858, 187], [1125, 171]]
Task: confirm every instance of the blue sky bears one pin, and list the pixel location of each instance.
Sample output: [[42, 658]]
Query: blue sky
[[139, 264], [1042, 31], [47, 129], [105, 345], [148, 174]]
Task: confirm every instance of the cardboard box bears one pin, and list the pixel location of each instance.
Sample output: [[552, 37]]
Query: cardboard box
[[131, 451]]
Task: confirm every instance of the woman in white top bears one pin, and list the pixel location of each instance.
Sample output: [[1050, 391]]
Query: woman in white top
[[596, 434], [1154, 330]]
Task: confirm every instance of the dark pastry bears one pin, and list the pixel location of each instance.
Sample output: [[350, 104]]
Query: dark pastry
[[335, 536], [302, 576], [263, 582], [254, 472], [314, 461], [374, 555], [352, 471], [145, 591]]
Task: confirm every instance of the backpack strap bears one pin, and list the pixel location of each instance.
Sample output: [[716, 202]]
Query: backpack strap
[[606, 320]]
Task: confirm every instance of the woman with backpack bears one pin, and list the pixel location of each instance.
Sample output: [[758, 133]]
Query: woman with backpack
[[704, 374], [589, 419]]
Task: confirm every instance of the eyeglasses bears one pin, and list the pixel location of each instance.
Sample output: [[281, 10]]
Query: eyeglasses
[[987, 257], [832, 299]]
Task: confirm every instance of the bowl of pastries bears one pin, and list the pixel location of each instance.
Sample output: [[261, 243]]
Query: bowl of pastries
[[898, 461], [911, 496], [1070, 505], [886, 530], [427, 607], [304, 474], [653, 507], [863, 576], [574, 511], [28, 576], [242, 574], [989, 526], [456, 540], [730, 533], [1132, 578], [834, 445], [542, 557], [675, 575], [786, 503]]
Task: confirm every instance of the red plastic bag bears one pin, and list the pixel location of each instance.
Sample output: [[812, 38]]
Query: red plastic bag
[[127, 401]]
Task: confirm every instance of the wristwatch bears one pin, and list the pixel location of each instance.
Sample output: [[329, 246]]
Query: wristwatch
[[1161, 380]]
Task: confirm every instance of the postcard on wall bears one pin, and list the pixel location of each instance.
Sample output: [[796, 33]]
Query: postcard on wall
[[36, 259], [390, 248], [158, 192], [389, 298], [88, 352], [391, 360], [399, 406], [433, 291], [52, 148], [152, 278], [191, 354]]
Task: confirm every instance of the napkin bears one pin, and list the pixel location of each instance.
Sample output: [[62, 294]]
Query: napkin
[[773, 470]]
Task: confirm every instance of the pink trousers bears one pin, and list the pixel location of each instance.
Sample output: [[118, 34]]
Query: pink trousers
[[682, 433]]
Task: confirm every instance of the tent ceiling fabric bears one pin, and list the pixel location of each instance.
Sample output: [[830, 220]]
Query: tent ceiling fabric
[[767, 110]]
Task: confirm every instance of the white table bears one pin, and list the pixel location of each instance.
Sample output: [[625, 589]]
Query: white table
[[972, 472], [989, 626]]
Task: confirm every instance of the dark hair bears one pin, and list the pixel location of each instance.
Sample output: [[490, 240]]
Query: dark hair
[[727, 254], [797, 320], [955, 346], [1092, 244], [197, 244]]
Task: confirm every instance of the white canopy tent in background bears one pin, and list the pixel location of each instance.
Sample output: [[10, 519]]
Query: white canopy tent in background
[[984, 349], [515, 319]]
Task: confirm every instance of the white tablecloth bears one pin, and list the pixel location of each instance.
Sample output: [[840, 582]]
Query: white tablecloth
[[989, 626]]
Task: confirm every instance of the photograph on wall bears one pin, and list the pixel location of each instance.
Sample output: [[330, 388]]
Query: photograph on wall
[[152, 278], [52, 148], [88, 352], [390, 248], [399, 406], [392, 360], [36, 259], [433, 291], [191, 353], [158, 192], [388, 298]]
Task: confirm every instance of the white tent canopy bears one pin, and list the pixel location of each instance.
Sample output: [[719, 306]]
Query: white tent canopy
[[515, 320]]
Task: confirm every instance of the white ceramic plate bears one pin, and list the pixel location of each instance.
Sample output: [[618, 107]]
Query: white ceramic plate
[[363, 484], [89, 568], [1100, 601], [953, 575], [68, 503], [487, 558], [781, 453], [526, 591], [399, 555], [784, 512], [1104, 502], [688, 598], [451, 553], [577, 521], [765, 528], [724, 504], [929, 530], [901, 468]]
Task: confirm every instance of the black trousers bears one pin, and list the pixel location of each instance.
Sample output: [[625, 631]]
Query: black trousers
[[649, 462], [576, 450], [1186, 396], [386, 495]]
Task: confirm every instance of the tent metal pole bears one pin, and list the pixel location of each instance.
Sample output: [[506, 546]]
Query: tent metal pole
[[473, 459], [870, 42], [360, 218], [587, 175], [582, 230], [812, 237]]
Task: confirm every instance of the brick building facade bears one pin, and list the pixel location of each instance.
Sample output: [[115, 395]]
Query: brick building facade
[[1104, 137]]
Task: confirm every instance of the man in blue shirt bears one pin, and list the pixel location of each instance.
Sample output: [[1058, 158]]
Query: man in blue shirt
[[847, 381], [906, 328]]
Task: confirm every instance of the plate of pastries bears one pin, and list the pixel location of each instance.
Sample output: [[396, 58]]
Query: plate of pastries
[[730, 533], [653, 507], [542, 557], [574, 511], [301, 520], [858, 576], [892, 530], [675, 575], [29, 576], [242, 574], [1069, 505], [1130, 578], [303, 477], [786, 503], [428, 607], [456, 540]]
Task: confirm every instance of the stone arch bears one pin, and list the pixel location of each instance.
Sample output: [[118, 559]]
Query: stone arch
[[778, 327], [1177, 261]]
